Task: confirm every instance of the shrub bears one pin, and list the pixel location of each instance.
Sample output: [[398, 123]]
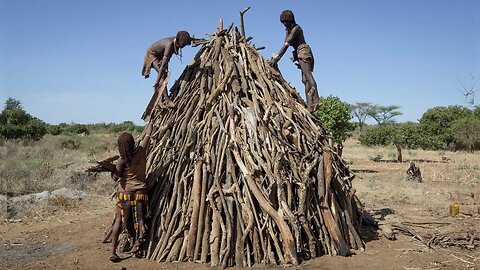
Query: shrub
[[83, 180], [77, 129], [70, 144], [54, 130], [127, 126], [16, 123], [376, 157]]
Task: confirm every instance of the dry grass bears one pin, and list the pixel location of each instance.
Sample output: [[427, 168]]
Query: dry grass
[[384, 185], [47, 165], [54, 162]]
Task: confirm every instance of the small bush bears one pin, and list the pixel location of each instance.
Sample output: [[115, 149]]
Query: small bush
[[70, 144], [63, 202], [77, 129], [55, 130], [375, 157], [92, 157], [392, 155], [82, 180]]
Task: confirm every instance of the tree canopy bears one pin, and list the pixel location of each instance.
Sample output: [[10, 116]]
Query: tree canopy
[[336, 115], [16, 123]]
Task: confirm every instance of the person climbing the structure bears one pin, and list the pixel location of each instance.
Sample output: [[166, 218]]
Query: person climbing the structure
[[158, 56], [301, 54]]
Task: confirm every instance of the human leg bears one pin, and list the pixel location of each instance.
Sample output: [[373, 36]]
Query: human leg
[[140, 228], [117, 226], [168, 102], [311, 91]]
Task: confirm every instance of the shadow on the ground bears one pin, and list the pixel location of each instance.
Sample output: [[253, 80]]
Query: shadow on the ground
[[364, 171], [370, 228], [410, 160]]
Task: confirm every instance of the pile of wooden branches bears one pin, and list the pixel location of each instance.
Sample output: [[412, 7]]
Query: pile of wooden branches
[[462, 238], [240, 172]]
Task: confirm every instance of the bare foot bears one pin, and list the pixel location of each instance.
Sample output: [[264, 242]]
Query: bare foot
[[114, 258], [316, 107]]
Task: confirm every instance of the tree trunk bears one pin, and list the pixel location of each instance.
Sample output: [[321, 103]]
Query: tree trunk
[[399, 153]]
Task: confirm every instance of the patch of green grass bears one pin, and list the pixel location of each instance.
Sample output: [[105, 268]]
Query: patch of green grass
[[376, 157], [463, 166], [70, 143], [412, 153], [392, 155]]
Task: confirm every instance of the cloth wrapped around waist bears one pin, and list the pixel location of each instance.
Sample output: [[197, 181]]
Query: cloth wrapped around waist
[[304, 53], [134, 207], [150, 57]]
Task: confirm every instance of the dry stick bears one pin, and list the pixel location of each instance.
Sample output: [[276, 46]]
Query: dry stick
[[278, 249], [159, 244], [179, 214], [345, 205], [206, 236], [226, 233], [302, 209], [182, 253], [323, 230], [219, 227], [282, 205], [241, 20], [239, 255], [202, 219], [170, 236], [335, 233], [215, 234], [175, 201], [174, 252], [196, 194], [158, 199], [288, 241]]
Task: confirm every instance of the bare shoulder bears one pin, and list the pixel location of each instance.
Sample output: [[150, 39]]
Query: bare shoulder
[[297, 29], [164, 43]]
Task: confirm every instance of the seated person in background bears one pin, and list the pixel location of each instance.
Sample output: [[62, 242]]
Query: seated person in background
[[414, 172]]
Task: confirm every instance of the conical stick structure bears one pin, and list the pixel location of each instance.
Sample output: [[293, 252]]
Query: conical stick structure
[[240, 172]]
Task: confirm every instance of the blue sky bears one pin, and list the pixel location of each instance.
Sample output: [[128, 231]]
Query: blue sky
[[80, 61]]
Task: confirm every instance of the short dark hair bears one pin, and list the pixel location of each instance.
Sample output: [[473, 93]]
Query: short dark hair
[[287, 16], [183, 38]]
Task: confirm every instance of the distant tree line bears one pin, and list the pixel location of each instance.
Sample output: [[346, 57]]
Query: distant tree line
[[448, 128], [16, 123]]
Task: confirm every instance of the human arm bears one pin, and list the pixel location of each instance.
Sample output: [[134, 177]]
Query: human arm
[[280, 53], [163, 66], [289, 38], [146, 138], [118, 171]]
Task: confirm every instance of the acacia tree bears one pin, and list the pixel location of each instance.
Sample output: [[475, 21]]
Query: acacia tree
[[401, 136], [336, 115], [384, 114], [360, 111]]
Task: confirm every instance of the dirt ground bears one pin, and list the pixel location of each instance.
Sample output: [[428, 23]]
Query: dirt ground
[[71, 238]]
